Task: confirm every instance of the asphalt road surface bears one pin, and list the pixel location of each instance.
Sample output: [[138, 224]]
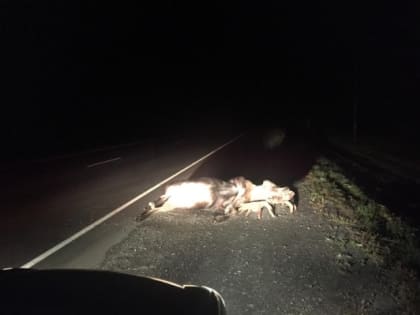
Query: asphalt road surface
[[293, 264], [45, 202]]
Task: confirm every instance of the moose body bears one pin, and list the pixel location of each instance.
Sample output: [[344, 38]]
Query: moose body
[[218, 195]]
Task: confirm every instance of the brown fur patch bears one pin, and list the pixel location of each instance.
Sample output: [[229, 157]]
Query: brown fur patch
[[248, 189]]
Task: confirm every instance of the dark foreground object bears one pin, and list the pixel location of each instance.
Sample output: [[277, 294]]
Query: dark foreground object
[[29, 291]]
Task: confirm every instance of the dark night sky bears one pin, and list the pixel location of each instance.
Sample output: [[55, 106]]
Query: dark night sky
[[81, 66]]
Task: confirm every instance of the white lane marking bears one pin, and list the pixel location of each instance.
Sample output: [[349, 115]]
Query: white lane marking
[[91, 226], [103, 162]]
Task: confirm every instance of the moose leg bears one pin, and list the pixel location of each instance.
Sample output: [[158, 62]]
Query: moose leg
[[291, 206], [257, 207], [158, 202], [270, 210]]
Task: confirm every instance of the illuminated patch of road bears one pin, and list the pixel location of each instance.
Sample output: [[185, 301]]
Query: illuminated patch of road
[[91, 226]]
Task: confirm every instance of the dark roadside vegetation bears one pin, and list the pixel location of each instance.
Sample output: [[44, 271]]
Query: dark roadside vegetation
[[370, 184]]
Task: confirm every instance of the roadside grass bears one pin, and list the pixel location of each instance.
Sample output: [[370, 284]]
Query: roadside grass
[[373, 227], [383, 236]]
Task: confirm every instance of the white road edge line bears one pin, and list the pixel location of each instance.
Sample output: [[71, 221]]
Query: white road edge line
[[103, 162], [91, 226]]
